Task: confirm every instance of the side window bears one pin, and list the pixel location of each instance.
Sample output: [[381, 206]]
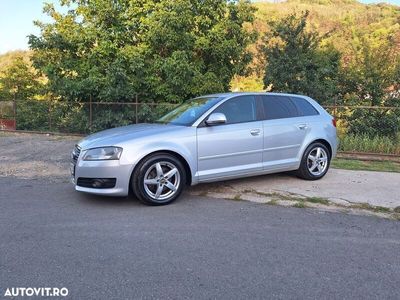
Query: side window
[[239, 109], [304, 107], [278, 107]]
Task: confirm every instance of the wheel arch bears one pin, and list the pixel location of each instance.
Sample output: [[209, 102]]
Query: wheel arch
[[325, 143], [178, 156]]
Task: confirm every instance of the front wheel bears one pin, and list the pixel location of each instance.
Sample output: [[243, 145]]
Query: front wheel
[[315, 162], [158, 179]]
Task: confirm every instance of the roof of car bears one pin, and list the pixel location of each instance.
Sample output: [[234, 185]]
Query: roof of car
[[231, 94]]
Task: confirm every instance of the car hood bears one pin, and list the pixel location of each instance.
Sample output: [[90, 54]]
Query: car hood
[[115, 136]]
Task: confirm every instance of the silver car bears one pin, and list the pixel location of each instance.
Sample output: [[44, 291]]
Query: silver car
[[209, 138]]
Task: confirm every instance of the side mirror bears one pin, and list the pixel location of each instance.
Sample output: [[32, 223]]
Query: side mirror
[[216, 119]]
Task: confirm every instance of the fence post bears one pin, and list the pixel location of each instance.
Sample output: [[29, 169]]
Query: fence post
[[136, 109], [15, 112], [90, 113], [335, 108], [49, 110]]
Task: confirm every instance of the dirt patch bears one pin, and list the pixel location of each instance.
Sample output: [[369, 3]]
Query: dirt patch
[[36, 156]]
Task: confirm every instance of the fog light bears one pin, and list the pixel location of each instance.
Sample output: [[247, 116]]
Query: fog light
[[97, 183]]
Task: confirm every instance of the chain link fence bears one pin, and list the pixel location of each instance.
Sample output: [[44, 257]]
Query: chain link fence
[[370, 129], [360, 128], [76, 117], [7, 115]]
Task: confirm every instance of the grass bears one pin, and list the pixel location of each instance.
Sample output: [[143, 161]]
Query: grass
[[237, 197], [365, 143], [293, 197], [366, 206], [381, 209], [300, 201], [353, 164], [300, 204], [272, 202], [318, 200]]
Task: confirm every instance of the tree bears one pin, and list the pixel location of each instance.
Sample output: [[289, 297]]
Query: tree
[[162, 50], [296, 62], [18, 81], [373, 79], [373, 73]]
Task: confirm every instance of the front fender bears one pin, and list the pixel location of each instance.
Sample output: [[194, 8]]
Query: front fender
[[186, 148]]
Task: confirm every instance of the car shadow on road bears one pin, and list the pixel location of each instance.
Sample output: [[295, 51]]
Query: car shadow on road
[[129, 201]]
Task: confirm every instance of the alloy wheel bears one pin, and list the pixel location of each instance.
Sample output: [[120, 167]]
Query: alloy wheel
[[317, 161], [162, 180]]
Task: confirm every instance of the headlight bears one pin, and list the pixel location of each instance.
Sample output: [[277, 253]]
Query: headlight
[[105, 153]]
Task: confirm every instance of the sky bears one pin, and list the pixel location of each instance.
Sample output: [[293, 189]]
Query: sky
[[17, 16], [16, 22]]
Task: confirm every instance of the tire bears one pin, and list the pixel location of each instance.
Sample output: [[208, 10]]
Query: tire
[[315, 162], [158, 179]]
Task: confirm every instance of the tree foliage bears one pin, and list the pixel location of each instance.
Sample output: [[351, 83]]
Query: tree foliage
[[373, 79], [341, 18], [373, 75], [18, 80], [296, 63], [162, 50]]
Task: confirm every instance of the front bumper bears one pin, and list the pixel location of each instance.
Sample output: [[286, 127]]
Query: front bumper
[[103, 169]]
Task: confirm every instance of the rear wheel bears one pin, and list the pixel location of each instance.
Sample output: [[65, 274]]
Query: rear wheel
[[158, 179], [315, 162]]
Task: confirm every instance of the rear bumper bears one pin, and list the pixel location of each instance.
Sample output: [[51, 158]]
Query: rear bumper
[[104, 169]]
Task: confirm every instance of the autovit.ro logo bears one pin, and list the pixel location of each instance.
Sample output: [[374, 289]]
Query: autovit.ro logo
[[40, 291]]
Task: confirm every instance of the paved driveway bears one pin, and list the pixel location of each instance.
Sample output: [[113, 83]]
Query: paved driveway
[[338, 186], [196, 248]]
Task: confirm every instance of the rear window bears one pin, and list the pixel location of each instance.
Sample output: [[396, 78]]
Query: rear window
[[304, 107], [278, 107]]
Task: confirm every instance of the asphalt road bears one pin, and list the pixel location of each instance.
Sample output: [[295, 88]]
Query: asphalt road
[[197, 248]]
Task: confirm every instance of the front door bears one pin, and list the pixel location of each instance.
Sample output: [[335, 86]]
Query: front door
[[232, 149]]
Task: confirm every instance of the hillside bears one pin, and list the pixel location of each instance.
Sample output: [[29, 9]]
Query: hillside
[[7, 58], [343, 17], [349, 23]]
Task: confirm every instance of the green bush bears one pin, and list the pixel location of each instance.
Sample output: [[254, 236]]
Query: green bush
[[32, 115], [70, 117], [373, 123]]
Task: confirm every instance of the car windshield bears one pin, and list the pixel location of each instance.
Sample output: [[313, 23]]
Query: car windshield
[[188, 112]]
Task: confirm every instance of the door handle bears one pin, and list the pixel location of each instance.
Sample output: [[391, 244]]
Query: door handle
[[302, 126], [255, 132]]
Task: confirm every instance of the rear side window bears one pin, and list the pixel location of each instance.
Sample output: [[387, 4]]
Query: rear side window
[[304, 107], [278, 107], [239, 109]]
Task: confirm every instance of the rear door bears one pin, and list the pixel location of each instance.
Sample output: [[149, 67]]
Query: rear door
[[234, 148], [284, 132]]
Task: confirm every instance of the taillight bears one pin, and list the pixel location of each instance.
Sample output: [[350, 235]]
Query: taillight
[[334, 122]]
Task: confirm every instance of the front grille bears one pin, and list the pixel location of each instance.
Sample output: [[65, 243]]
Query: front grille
[[97, 183], [74, 158], [75, 154]]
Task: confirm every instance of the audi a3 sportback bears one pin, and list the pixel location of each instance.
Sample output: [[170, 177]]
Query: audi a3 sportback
[[209, 138]]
